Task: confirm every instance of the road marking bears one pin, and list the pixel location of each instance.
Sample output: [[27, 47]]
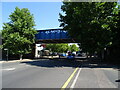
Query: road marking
[[69, 79], [73, 84], [9, 69]]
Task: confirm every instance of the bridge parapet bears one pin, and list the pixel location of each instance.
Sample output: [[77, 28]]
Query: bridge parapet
[[53, 36]]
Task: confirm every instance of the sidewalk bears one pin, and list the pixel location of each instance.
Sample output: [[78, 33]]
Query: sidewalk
[[3, 61], [44, 57]]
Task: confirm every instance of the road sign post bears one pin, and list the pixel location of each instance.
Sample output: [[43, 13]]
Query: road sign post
[[7, 53]]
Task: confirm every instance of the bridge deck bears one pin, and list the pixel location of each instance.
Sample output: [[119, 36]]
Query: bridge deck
[[57, 41], [54, 36]]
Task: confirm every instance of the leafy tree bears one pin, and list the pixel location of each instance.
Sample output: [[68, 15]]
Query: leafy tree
[[57, 47], [114, 48], [62, 47], [19, 33], [73, 48], [115, 27], [89, 22], [51, 47]]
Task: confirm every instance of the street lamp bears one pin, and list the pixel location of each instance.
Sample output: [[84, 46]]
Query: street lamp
[[7, 53]]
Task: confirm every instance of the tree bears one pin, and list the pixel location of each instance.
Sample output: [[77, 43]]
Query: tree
[[115, 27], [73, 48], [19, 34], [114, 48], [63, 48], [57, 47], [89, 22], [51, 47]]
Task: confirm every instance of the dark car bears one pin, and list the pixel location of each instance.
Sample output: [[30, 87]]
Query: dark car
[[79, 54], [71, 56], [54, 54], [62, 54]]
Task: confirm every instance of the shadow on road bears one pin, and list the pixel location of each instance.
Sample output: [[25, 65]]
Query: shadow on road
[[117, 80], [85, 63], [54, 63]]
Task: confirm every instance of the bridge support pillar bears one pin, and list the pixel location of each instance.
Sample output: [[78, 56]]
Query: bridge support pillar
[[38, 49]]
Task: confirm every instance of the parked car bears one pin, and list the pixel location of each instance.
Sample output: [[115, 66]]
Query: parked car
[[62, 54], [79, 54], [71, 56], [54, 54]]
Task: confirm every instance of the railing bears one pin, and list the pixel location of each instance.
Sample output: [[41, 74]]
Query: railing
[[52, 34]]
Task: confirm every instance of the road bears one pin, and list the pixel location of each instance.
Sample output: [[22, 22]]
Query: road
[[45, 73]]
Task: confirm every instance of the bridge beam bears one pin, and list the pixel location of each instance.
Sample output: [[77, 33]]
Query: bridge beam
[[54, 36]]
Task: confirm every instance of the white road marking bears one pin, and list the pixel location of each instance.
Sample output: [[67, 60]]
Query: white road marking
[[73, 84], [9, 69]]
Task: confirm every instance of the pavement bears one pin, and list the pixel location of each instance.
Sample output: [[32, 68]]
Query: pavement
[[45, 73], [44, 57], [4, 61]]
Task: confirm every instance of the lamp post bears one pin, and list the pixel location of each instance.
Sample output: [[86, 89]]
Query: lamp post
[[7, 53]]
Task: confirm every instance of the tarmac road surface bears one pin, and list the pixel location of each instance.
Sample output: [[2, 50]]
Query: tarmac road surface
[[45, 73]]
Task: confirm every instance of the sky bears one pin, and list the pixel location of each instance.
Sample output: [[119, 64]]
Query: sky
[[46, 14]]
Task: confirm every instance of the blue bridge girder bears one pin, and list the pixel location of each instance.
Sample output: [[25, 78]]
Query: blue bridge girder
[[53, 36]]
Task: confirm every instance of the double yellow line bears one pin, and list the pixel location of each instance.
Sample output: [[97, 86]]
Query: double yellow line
[[69, 79]]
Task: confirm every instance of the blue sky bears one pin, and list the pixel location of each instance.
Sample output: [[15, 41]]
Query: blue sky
[[46, 14]]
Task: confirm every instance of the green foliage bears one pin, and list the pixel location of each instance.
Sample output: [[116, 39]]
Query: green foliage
[[90, 23], [73, 48], [57, 47], [115, 27], [61, 47], [19, 34]]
